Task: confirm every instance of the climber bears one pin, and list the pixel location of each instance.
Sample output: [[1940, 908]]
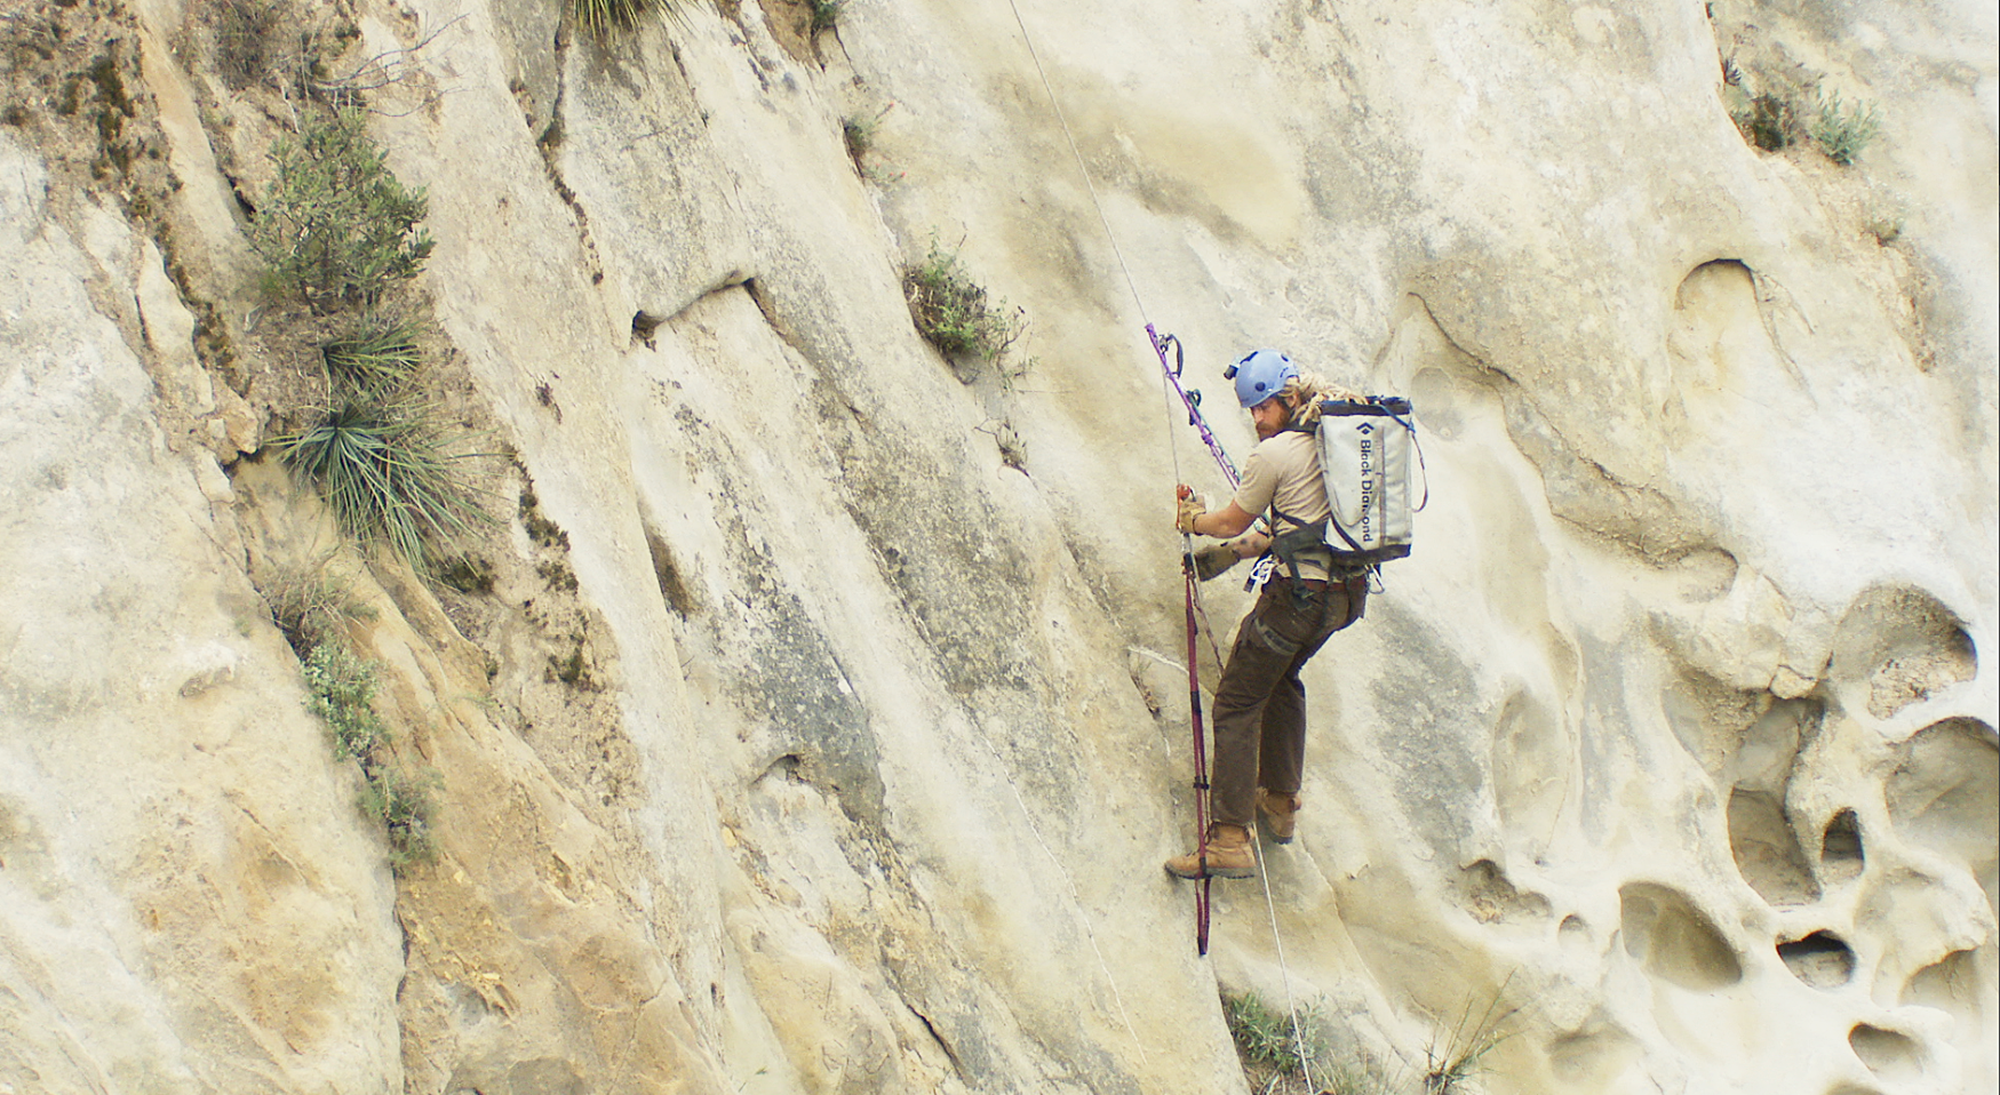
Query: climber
[[1259, 710]]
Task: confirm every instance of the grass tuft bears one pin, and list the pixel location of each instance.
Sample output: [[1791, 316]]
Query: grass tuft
[[385, 472], [309, 609], [1843, 132], [1450, 1065], [1267, 1042], [953, 312]]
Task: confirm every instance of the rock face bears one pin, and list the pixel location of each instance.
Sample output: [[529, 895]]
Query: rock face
[[811, 721]]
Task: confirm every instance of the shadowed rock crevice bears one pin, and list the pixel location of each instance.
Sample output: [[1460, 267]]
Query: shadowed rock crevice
[[1635, 518]]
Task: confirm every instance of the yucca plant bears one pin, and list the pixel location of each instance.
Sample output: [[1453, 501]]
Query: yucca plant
[[384, 470], [381, 358], [601, 17]]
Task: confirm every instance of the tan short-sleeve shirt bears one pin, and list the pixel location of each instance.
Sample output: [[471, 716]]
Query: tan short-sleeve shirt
[[1282, 474]]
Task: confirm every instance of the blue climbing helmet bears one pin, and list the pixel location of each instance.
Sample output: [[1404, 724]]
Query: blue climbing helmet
[[1260, 375]]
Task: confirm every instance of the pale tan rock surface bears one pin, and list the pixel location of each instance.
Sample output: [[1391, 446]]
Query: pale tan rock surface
[[832, 739]]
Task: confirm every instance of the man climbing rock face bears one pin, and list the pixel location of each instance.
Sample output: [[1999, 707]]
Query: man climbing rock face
[[1259, 711]]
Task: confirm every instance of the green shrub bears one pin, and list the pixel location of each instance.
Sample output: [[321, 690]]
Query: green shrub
[[380, 359], [337, 228], [342, 691], [952, 311], [384, 471], [1842, 133], [825, 14]]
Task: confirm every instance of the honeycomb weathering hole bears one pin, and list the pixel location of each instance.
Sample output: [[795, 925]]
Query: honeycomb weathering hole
[[1766, 850], [1841, 854], [1904, 645], [1950, 984], [1676, 941], [1822, 960], [1945, 794], [1887, 1053]]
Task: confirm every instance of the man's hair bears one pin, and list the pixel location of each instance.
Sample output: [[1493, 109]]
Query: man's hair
[[1305, 391]]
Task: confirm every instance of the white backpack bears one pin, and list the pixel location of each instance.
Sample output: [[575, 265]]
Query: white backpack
[[1369, 457]]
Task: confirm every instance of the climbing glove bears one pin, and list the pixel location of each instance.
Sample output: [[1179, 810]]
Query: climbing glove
[[1190, 507], [1213, 560]]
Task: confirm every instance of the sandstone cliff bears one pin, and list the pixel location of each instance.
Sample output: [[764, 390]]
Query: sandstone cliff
[[811, 718]]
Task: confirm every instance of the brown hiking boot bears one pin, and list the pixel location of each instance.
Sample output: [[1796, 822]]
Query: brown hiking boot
[[1229, 856], [1282, 811]]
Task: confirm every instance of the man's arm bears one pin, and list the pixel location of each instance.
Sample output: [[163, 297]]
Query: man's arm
[[1225, 522]]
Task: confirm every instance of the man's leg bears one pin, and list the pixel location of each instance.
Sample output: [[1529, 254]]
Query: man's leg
[[1274, 639], [1282, 756]]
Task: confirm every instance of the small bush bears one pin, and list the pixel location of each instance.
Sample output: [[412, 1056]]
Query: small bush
[[337, 228], [404, 805], [380, 359], [342, 689], [1768, 122], [952, 311], [1886, 230], [859, 135], [384, 471], [1843, 132]]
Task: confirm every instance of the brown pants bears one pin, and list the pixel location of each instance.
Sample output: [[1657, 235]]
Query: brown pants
[[1260, 704]]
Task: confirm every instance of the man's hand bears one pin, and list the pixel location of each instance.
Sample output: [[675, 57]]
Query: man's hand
[[1213, 560], [1189, 508]]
